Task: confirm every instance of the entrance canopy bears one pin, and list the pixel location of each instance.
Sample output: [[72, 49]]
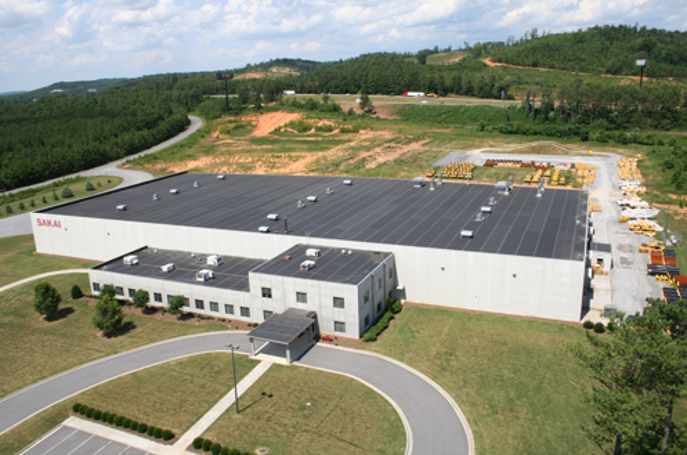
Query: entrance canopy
[[284, 329]]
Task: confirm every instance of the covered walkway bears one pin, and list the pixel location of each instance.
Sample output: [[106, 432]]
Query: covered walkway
[[285, 336]]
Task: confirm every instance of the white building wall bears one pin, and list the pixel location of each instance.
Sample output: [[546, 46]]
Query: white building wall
[[529, 286]]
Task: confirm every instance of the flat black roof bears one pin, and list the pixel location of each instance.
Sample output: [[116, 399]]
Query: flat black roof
[[334, 264], [231, 274], [370, 210], [285, 327]]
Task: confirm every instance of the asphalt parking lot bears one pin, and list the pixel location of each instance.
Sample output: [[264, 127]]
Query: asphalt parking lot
[[68, 441]]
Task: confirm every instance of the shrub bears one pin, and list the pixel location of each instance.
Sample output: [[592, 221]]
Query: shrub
[[599, 328], [99, 184], [82, 409], [167, 435], [106, 415], [612, 326], [215, 448], [89, 412], [588, 325], [22, 206], [76, 292], [396, 307], [8, 209], [109, 181], [44, 200], [89, 186], [224, 451], [112, 418], [97, 414], [158, 433], [67, 192], [142, 428], [119, 421], [133, 425], [151, 431], [379, 327], [76, 407], [198, 443], [33, 204], [324, 128], [349, 129], [235, 452], [206, 445], [125, 423]]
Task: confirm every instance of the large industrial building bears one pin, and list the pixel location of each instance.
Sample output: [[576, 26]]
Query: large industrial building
[[333, 246]]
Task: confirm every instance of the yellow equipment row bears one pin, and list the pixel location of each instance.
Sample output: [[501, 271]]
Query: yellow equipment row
[[628, 168], [642, 227], [460, 170], [586, 173], [648, 247]]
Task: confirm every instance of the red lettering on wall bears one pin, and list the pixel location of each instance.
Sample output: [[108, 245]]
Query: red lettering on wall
[[49, 223]]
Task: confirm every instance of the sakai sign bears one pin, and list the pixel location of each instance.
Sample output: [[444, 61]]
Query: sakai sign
[[49, 223]]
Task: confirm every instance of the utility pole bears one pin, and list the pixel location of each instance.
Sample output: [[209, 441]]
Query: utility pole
[[641, 64], [225, 77], [233, 365]]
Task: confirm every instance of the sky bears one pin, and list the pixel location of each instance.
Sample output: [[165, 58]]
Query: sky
[[47, 41]]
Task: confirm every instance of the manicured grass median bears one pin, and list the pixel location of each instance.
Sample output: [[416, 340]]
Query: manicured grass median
[[520, 389], [33, 349], [173, 395], [18, 260], [311, 412]]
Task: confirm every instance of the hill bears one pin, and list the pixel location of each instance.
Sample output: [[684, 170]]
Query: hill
[[64, 88], [603, 49]]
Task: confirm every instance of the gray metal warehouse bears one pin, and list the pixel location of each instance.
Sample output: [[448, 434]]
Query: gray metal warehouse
[[456, 244]]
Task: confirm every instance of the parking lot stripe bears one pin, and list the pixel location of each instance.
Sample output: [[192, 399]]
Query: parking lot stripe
[[77, 447], [67, 437], [108, 443]]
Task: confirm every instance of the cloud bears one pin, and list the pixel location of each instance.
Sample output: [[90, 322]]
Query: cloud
[[310, 46], [157, 55], [261, 47], [18, 13]]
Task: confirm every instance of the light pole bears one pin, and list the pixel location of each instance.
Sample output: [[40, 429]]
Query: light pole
[[665, 237], [641, 64], [233, 365], [225, 77]]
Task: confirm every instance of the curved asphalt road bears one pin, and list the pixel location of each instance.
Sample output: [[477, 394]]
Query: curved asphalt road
[[21, 224], [433, 418]]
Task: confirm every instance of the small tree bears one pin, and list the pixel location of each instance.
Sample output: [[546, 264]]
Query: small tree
[[44, 200], [141, 299], [47, 299], [108, 289], [67, 192], [32, 203], [365, 103], [54, 196], [175, 306], [89, 186], [8, 209], [108, 315], [99, 184], [76, 292], [22, 207]]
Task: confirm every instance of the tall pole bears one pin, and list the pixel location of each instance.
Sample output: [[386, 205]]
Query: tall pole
[[641, 76], [226, 95], [236, 392]]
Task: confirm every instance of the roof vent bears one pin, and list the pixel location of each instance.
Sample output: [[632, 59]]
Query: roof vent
[[273, 216], [301, 204], [486, 209], [539, 192], [348, 182], [220, 177], [196, 184], [122, 207], [479, 217], [204, 275], [312, 198], [214, 259], [312, 252], [168, 267], [264, 229], [131, 259], [330, 190], [431, 185], [492, 201], [307, 265], [174, 191], [350, 252], [156, 196], [465, 233]]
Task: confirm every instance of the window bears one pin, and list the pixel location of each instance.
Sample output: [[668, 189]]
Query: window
[[186, 303], [379, 284], [266, 293], [379, 307], [214, 306], [158, 297], [301, 297], [119, 290], [200, 305], [96, 287], [245, 312], [366, 298], [367, 320], [229, 309], [338, 302], [266, 314], [391, 272], [170, 298], [339, 327], [132, 292]]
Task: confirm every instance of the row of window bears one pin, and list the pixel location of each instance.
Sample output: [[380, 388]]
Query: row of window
[[302, 297]]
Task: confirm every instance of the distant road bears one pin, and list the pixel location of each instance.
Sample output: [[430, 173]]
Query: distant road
[[21, 224]]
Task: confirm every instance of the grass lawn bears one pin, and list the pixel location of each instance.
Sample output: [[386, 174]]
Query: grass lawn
[[520, 389], [343, 416], [100, 182], [154, 396], [18, 261], [34, 349]]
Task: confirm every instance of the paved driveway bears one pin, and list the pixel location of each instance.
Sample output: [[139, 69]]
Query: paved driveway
[[434, 424]]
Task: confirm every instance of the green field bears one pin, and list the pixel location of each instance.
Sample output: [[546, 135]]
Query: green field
[[311, 412]]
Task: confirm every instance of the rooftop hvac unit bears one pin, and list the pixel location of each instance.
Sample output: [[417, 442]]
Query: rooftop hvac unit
[[122, 207], [205, 275], [168, 267], [312, 198], [196, 184], [214, 260], [273, 216], [486, 209], [418, 182], [156, 197], [465, 233], [307, 265], [264, 229], [131, 259], [300, 204], [479, 217], [348, 182], [501, 186], [220, 177], [431, 185], [538, 193], [377, 256], [330, 190], [312, 252], [492, 201], [174, 191]]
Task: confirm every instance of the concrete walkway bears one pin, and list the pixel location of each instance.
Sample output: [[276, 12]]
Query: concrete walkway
[[42, 275], [222, 405]]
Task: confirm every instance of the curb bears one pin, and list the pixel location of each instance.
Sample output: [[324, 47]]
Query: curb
[[7, 287]]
